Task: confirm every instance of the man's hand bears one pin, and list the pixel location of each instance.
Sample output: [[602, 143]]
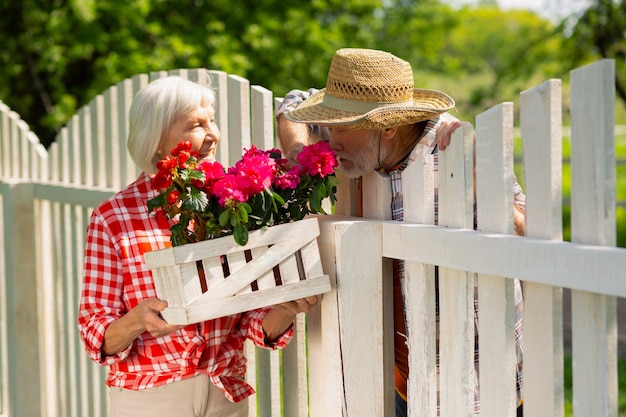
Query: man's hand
[[280, 317], [445, 131]]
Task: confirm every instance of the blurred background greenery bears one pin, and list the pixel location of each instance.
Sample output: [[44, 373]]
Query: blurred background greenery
[[56, 55]]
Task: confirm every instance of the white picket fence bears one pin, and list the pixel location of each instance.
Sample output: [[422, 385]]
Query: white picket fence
[[339, 364]]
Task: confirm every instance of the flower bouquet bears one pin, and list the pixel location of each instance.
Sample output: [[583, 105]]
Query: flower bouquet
[[238, 238]]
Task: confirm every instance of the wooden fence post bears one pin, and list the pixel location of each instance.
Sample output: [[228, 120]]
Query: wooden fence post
[[20, 301]]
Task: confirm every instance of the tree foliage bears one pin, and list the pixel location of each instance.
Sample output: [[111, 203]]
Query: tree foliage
[[602, 29], [59, 54]]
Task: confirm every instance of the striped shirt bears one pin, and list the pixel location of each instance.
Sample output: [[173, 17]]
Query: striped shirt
[[115, 279]]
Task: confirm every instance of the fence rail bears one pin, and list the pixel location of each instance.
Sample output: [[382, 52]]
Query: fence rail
[[340, 364]]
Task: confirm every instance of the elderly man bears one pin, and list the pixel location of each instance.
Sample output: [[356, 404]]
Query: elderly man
[[375, 119]]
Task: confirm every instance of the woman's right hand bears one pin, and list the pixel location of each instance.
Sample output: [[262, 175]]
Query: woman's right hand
[[148, 312], [144, 317]]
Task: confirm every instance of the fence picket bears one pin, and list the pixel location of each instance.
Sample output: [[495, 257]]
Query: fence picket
[[419, 199], [494, 200], [456, 288], [594, 317], [543, 315]]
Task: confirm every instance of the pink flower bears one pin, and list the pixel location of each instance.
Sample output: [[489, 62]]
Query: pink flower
[[317, 159], [227, 188], [287, 179], [254, 171]]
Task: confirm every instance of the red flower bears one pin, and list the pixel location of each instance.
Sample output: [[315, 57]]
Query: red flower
[[162, 179], [184, 146], [173, 196]]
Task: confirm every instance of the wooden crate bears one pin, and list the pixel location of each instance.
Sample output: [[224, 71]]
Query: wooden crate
[[215, 278]]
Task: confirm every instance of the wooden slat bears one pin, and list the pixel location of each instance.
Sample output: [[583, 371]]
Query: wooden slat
[[541, 129], [594, 317], [563, 264], [360, 303], [5, 155], [113, 146], [294, 368], [305, 230], [456, 288], [494, 177], [219, 84], [238, 117], [262, 118], [418, 185], [327, 394]]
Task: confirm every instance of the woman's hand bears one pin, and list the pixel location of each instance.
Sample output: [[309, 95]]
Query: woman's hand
[[144, 317]]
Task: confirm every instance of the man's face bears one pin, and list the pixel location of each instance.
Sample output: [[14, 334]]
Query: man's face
[[357, 150]]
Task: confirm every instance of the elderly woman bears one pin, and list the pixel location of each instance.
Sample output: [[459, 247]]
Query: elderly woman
[[156, 368]]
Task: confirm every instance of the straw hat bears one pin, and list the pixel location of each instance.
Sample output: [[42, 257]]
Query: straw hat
[[370, 89]]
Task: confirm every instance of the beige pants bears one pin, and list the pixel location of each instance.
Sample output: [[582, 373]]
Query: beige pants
[[193, 397]]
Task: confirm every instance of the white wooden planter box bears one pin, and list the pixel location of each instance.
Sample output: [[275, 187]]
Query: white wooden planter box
[[215, 278]]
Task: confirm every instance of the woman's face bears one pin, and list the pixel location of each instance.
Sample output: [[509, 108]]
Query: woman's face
[[199, 128]]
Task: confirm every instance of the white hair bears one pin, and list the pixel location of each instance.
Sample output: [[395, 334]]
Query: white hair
[[154, 109]]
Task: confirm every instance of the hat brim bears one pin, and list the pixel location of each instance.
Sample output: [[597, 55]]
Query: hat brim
[[427, 104]]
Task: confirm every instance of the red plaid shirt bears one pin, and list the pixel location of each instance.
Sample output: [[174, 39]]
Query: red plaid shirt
[[115, 280]]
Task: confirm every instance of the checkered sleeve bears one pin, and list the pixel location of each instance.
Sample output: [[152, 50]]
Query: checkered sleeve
[[253, 323], [101, 298]]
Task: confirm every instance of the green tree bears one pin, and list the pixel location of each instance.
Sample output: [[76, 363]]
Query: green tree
[[601, 29], [58, 55]]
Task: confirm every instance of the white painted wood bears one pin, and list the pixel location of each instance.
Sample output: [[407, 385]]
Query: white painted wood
[[418, 184], [360, 297], [541, 130], [563, 264], [100, 164], [294, 368], [374, 202], [494, 200], [219, 84], [262, 117], [456, 288], [326, 382], [238, 117], [376, 196], [594, 317], [177, 278], [84, 147], [113, 147]]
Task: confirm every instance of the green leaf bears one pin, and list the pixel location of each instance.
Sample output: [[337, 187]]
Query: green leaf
[[234, 220], [243, 213], [156, 202], [224, 217], [195, 200], [240, 233]]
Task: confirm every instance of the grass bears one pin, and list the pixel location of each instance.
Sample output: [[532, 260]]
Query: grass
[[567, 381]]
